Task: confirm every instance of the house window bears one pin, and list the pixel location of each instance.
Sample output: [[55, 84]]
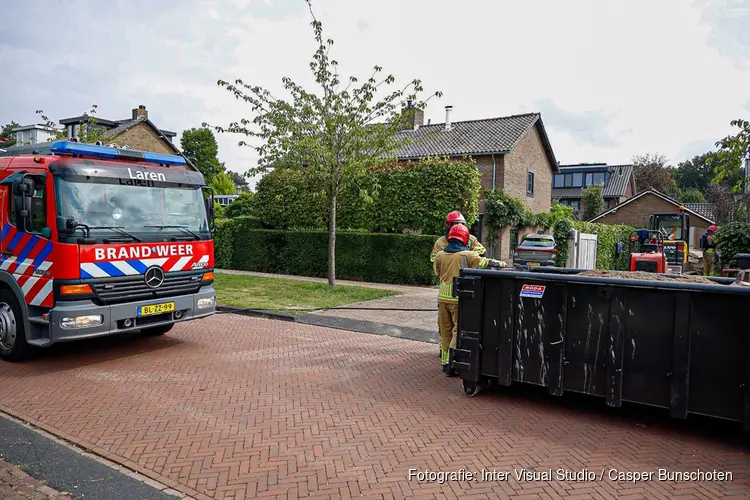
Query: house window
[[578, 180], [589, 179], [559, 181], [513, 240], [476, 228], [599, 178], [530, 182], [574, 204]]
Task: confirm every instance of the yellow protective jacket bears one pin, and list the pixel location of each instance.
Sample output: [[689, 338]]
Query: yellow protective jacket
[[442, 242], [448, 265]]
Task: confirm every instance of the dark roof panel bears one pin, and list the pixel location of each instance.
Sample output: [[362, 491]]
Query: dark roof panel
[[476, 137], [707, 210]]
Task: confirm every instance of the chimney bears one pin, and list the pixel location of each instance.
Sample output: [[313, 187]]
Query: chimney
[[140, 111], [448, 110], [414, 117]]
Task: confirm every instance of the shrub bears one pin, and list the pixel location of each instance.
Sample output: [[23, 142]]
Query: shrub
[[731, 239], [241, 206], [392, 197], [593, 201], [607, 236], [378, 258]]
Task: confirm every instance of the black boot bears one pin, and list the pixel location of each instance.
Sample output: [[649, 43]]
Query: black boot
[[450, 370]]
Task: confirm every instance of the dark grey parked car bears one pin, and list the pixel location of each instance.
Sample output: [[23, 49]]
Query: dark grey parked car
[[535, 250]]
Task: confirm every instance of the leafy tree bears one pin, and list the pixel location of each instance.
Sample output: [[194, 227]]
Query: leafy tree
[[222, 183], [238, 179], [691, 195], [7, 132], [732, 157], [695, 173], [593, 201], [200, 147], [728, 205], [89, 132], [331, 136], [241, 206], [650, 171]]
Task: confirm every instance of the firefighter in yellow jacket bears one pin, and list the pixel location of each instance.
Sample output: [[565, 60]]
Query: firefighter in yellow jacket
[[447, 265], [451, 220]]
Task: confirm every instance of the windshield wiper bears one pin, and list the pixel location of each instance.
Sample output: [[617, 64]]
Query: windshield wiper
[[174, 226], [118, 229]]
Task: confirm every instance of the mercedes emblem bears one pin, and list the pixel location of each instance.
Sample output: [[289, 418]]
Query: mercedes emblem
[[154, 277]]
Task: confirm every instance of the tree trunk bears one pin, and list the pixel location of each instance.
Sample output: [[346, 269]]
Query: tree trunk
[[332, 240]]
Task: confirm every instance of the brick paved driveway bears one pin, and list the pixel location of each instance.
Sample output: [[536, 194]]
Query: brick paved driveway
[[235, 407]]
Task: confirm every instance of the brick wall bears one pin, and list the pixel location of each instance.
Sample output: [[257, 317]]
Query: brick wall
[[144, 138], [636, 214], [529, 154]]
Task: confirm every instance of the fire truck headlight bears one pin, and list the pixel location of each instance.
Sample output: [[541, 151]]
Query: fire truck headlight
[[81, 322], [207, 302]]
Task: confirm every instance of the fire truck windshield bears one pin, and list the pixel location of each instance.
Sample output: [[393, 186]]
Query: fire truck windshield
[[112, 209]]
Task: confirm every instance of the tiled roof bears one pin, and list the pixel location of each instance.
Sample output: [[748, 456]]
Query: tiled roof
[[661, 195], [128, 124], [615, 188], [472, 138], [705, 209]]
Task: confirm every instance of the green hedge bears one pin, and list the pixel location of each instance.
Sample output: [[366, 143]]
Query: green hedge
[[377, 258], [607, 236], [393, 197], [731, 239]]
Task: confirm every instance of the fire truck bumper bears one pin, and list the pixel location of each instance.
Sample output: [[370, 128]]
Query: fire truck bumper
[[84, 319]]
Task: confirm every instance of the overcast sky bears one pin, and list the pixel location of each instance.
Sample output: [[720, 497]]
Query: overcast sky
[[611, 78]]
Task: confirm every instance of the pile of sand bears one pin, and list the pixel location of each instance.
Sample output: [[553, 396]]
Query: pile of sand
[[642, 275]]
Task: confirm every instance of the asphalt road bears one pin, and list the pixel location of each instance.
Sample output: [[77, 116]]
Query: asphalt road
[[64, 469]]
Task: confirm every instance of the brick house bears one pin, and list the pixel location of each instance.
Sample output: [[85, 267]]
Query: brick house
[[635, 212], [138, 132], [618, 182], [513, 153]]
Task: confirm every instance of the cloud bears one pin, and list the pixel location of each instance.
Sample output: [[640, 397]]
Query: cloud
[[729, 21], [584, 128], [611, 78]]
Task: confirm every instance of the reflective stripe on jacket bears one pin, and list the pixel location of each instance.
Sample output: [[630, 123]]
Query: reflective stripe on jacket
[[442, 242], [448, 266]]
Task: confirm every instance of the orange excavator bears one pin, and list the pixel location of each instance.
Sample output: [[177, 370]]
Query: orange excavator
[[651, 257]]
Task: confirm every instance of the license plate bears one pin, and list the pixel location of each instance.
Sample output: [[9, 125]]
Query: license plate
[[156, 309], [533, 263]]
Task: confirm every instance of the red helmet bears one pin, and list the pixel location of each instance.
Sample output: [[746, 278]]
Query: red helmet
[[712, 229], [454, 218], [459, 232]]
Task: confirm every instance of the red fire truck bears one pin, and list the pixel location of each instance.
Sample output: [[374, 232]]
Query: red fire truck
[[98, 240]]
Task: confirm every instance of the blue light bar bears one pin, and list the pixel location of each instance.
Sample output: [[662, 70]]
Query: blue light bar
[[108, 153]]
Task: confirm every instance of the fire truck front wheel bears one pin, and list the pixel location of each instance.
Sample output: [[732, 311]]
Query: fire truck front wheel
[[13, 346], [158, 330]]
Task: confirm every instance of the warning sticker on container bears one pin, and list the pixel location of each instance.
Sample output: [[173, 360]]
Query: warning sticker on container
[[533, 291]]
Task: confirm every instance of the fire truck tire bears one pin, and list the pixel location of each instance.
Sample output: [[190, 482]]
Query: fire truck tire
[[13, 346], [157, 330]]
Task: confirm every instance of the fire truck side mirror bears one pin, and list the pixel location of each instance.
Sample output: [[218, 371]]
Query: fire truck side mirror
[[23, 189], [65, 225]]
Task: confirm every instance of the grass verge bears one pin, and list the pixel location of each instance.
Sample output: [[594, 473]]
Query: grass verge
[[288, 296]]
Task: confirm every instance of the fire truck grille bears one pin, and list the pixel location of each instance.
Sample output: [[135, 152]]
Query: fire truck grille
[[134, 288]]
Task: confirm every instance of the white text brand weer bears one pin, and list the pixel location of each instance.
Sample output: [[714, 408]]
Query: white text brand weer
[[132, 253]]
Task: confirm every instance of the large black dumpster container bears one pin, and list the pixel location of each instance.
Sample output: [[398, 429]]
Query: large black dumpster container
[[676, 345]]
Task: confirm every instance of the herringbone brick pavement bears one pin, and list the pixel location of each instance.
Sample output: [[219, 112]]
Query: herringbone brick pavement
[[235, 407]]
